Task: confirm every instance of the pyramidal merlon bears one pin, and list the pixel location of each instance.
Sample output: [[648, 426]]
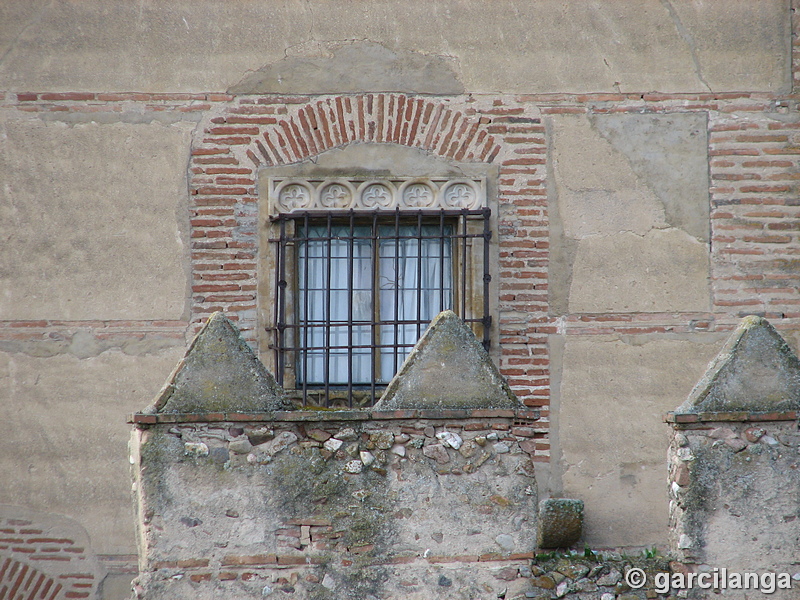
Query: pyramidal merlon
[[448, 369], [220, 373], [755, 371]]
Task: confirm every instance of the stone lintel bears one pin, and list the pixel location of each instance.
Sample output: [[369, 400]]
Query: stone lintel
[[145, 419]]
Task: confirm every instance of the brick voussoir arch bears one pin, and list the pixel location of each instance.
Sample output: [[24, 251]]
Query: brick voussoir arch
[[424, 123]]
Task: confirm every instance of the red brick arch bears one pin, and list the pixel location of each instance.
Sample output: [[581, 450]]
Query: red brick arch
[[250, 132], [458, 134]]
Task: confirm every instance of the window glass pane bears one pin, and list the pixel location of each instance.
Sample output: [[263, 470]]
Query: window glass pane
[[413, 284]]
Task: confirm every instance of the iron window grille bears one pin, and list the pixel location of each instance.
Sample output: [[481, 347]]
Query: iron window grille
[[355, 290]]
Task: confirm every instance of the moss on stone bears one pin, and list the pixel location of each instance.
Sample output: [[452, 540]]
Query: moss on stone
[[220, 373], [448, 369]]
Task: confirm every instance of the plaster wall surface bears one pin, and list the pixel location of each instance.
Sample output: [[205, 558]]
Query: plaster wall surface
[[546, 46], [91, 217], [630, 219], [63, 436], [614, 393]]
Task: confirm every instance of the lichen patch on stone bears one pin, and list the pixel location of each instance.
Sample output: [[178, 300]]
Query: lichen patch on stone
[[755, 371], [448, 368], [220, 373]]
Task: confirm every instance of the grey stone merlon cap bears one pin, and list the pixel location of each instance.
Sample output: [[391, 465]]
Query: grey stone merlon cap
[[220, 373], [755, 371], [448, 368]]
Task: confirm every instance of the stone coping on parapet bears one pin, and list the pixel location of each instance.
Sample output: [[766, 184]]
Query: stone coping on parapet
[[742, 417], [145, 419]]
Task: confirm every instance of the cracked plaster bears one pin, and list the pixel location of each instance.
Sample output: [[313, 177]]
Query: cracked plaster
[[538, 47], [630, 220]]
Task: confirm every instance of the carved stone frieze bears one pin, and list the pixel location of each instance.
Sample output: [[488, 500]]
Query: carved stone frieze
[[288, 194]]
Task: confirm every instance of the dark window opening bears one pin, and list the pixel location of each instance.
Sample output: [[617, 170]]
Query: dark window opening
[[356, 290]]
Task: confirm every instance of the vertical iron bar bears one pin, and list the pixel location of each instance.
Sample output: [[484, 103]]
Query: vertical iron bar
[[374, 367], [464, 267], [396, 288], [350, 276], [280, 303], [304, 350], [487, 277], [327, 375], [441, 261], [419, 275]]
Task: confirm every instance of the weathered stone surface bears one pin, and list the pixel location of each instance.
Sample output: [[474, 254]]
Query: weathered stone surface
[[333, 444], [628, 46], [259, 435], [220, 373], [448, 368], [437, 452], [319, 435], [329, 514], [755, 371], [740, 504], [560, 524], [354, 67], [381, 440], [241, 446], [451, 439]]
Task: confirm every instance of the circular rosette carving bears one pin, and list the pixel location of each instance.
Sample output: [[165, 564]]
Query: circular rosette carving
[[336, 195], [377, 195], [293, 196], [419, 195], [460, 194]]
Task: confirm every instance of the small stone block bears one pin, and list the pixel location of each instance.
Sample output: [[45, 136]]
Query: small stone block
[[560, 522]]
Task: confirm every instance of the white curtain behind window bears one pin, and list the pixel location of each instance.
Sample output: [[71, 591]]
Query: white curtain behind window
[[414, 283]]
